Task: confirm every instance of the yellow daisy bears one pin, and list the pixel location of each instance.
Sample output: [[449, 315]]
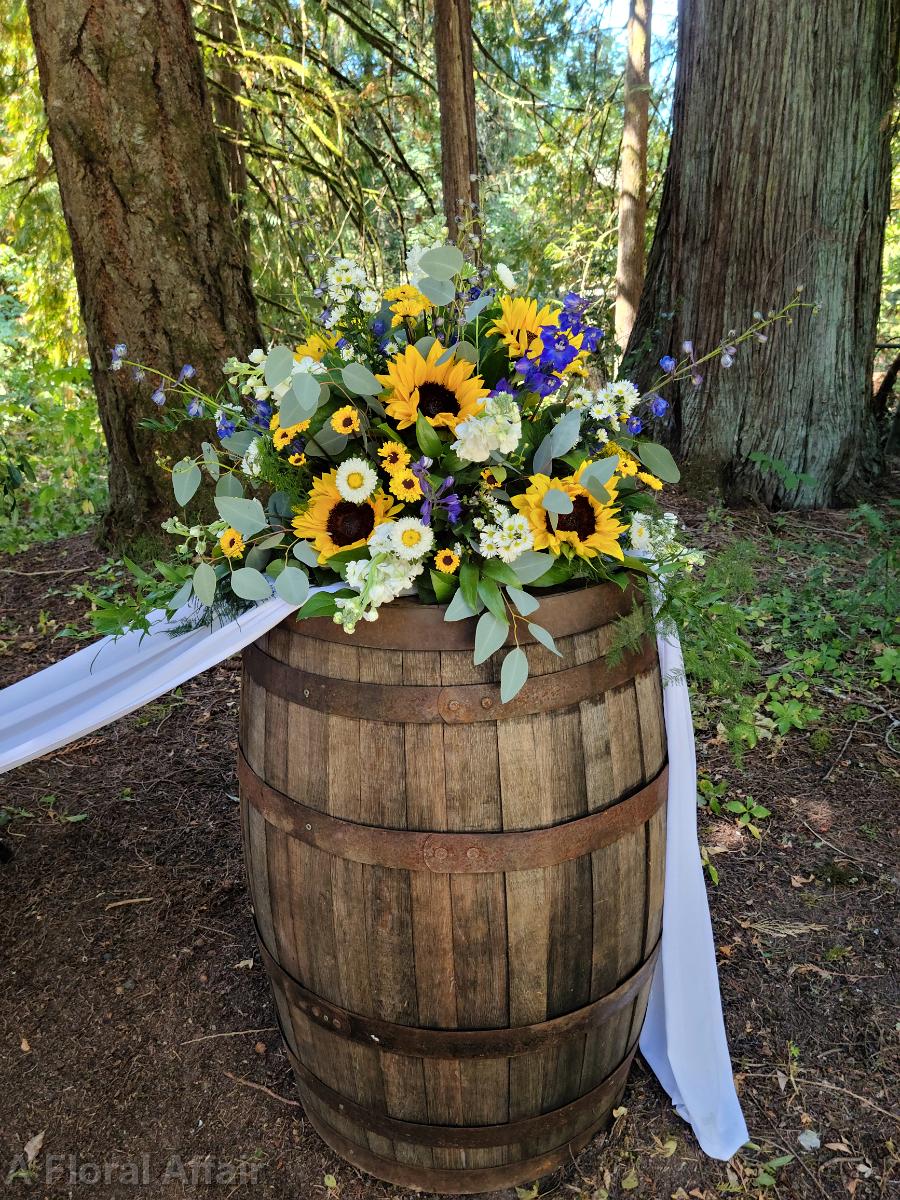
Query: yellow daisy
[[297, 460], [345, 420], [650, 480], [444, 393], [333, 524], [394, 457], [628, 464], [446, 561], [407, 301], [405, 485], [275, 423], [590, 528], [232, 543], [283, 437], [489, 478], [316, 346]]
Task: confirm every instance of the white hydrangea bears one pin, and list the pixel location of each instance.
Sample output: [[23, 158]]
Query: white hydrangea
[[496, 429]]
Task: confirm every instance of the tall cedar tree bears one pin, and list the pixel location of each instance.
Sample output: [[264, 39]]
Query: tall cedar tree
[[158, 260], [778, 176], [456, 97], [633, 171]]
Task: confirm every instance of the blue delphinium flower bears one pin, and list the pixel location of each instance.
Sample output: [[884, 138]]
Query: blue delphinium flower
[[557, 351], [159, 396], [263, 415], [503, 388], [634, 425], [668, 364], [116, 355], [658, 405], [137, 374], [379, 327], [195, 408], [225, 427], [186, 372], [591, 337]]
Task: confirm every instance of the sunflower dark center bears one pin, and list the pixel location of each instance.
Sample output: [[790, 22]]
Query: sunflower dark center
[[581, 520], [434, 398], [347, 522]]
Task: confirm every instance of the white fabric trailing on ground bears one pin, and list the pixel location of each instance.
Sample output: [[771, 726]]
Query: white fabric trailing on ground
[[684, 1035]]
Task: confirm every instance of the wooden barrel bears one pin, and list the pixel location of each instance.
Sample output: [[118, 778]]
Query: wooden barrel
[[458, 902]]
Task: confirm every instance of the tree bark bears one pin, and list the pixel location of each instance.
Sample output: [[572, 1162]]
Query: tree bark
[[228, 112], [456, 97], [778, 176], [158, 261], [633, 171]]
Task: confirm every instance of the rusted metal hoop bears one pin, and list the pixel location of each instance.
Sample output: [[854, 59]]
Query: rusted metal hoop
[[472, 1137], [454, 704], [418, 1042], [452, 853]]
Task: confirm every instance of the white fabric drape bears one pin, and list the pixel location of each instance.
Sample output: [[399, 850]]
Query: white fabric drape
[[684, 1035]]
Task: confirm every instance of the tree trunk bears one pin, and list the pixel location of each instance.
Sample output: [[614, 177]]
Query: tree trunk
[[227, 109], [778, 176], [456, 97], [158, 261], [633, 171]]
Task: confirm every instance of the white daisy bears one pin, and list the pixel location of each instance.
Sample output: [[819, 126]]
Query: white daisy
[[356, 480], [411, 538]]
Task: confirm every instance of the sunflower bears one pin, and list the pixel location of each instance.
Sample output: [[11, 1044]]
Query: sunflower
[[521, 322], [345, 420], [316, 346], [283, 437], [590, 528], [405, 485], [446, 561], [297, 460], [444, 393], [406, 301], [650, 480], [232, 543], [489, 478], [394, 457], [334, 524]]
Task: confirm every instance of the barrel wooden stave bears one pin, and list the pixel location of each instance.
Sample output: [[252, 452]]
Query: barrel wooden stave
[[455, 950]]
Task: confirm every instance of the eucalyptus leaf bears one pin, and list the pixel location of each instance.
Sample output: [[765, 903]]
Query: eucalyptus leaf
[[186, 478], [543, 457], [489, 593], [229, 485], [279, 364], [359, 379], [531, 565], [468, 584], [658, 461], [424, 344], [555, 500], [205, 583], [460, 350], [239, 443], [474, 307], [442, 262], [211, 460], [490, 634], [327, 443], [246, 516], [306, 553], [181, 596], [292, 585], [250, 584], [457, 609], [257, 558], [279, 504], [438, 291], [524, 603], [566, 432], [540, 634], [513, 674], [301, 400]]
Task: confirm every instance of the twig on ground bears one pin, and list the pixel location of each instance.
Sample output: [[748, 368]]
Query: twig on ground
[[208, 1037], [840, 755], [137, 900], [832, 1087], [259, 1087], [836, 849]]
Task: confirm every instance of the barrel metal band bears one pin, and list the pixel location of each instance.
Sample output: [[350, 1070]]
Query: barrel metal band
[[452, 1181], [417, 1042], [455, 704], [477, 1137], [452, 853]]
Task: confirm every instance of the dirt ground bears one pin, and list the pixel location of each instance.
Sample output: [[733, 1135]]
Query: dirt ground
[[139, 1049]]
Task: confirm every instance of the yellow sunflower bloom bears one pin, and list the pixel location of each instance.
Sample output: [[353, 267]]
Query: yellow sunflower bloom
[[316, 346], [275, 423], [489, 478], [521, 322], [282, 438], [444, 393], [232, 543], [650, 480], [333, 524], [446, 561], [297, 460], [405, 485], [345, 420], [407, 301], [590, 528], [394, 457]]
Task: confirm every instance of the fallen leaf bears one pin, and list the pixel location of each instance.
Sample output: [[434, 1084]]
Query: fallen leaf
[[841, 1146], [805, 968], [782, 1080], [630, 1181], [798, 881], [244, 965], [26, 1047], [781, 928], [665, 1149], [33, 1146], [620, 1111], [809, 1139]]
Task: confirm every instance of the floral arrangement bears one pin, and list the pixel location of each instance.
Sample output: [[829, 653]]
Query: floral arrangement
[[445, 437]]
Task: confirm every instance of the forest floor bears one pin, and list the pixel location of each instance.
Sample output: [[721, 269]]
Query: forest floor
[[136, 1021]]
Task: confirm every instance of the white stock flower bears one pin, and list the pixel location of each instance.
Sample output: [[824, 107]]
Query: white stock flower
[[497, 428], [506, 277], [250, 461]]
